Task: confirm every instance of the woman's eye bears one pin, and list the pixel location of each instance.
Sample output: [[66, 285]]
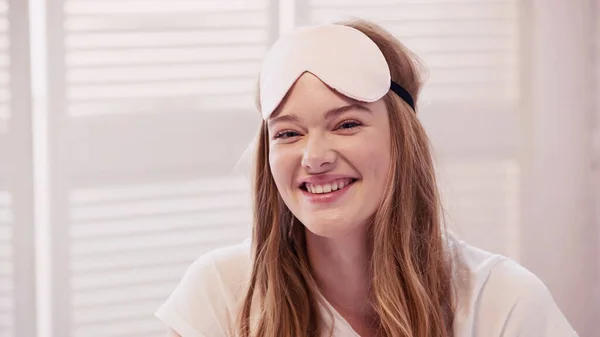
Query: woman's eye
[[286, 134], [349, 125]]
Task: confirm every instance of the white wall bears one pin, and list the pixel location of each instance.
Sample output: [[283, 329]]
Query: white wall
[[558, 229]]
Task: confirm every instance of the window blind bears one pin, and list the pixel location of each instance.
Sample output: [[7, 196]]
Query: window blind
[[17, 282], [153, 106]]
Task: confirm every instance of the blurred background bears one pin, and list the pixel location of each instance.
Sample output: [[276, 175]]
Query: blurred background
[[121, 123]]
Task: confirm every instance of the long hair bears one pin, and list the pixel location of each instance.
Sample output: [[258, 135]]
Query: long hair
[[411, 274]]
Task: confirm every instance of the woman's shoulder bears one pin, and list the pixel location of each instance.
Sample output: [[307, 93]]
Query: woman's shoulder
[[205, 301], [477, 271], [231, 259], [497, 294], [226, 269]]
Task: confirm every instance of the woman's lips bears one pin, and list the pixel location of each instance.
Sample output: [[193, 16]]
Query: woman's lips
[[327, 197]]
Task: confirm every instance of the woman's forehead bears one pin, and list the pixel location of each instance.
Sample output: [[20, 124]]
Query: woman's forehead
[[310, 94]]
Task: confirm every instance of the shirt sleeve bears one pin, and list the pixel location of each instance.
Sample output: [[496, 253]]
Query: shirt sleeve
[[534, 312], [197, 307]]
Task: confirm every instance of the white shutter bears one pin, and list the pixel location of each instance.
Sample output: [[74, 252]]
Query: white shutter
[[470, 104], [151, 106], [17, 308]]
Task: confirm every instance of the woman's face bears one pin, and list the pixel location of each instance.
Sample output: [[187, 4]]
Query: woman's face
[[329, 156]]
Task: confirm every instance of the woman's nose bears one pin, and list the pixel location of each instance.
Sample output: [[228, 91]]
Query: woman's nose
[[318, 155]]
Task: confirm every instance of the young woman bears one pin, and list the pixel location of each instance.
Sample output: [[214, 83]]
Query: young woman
[[347, 238]]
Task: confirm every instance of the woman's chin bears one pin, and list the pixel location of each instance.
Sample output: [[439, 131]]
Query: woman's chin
[[331, 228]]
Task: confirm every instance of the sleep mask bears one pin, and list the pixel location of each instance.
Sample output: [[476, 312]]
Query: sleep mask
[[343, 58]]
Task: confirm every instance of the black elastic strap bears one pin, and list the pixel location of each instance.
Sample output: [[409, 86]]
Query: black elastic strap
[[397, 88]]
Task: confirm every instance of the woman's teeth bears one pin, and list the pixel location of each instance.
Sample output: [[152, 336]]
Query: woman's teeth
[[329, 187]]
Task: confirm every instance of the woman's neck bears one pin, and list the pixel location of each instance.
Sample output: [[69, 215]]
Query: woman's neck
[[340, 267]]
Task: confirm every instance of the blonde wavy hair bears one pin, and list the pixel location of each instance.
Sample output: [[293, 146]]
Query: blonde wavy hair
[[410, 270]]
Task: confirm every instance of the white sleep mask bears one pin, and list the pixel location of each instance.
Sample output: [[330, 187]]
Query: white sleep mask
[[342, 57]]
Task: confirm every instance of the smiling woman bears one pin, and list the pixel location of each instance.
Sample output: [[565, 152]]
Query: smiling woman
[[347, 237]]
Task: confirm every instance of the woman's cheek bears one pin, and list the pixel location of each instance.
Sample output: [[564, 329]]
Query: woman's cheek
[[281, 166]]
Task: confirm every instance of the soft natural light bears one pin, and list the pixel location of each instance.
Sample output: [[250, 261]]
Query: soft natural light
[[121, 124]]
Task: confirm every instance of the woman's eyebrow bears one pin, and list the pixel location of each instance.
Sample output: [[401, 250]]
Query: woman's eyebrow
[[284, 118], [329, 114]]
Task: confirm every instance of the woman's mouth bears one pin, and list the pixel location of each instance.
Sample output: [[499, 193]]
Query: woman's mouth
[[327, 192], [333, 186]]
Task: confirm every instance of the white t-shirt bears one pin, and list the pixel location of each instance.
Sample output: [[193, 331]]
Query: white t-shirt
[[496, 297]]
